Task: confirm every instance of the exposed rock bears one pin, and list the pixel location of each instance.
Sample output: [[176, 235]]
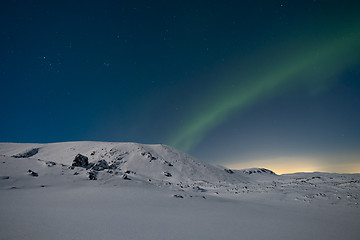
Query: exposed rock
[[229, 171], [27, 154], [113, 165], [125, 176], [129, 171], [148, 155], [100, 165], [92, 175], [80, 161], [167, 174], [50, 163], [168, 163], [90, 165], [178, 196], [32, 173], [258, 170], [199, 189], [122, 155]]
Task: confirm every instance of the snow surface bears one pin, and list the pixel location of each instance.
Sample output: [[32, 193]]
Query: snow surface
[[167, 195]]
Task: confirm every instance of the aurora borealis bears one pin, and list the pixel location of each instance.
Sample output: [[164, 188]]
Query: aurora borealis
[[270, 83], [316, 63]]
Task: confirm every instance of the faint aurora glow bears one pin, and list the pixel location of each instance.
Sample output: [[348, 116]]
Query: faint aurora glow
[[309, 65], [340, 163]]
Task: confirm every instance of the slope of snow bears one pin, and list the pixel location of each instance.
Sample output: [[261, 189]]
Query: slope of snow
[[164, 166], [148, 161], [167, 194]]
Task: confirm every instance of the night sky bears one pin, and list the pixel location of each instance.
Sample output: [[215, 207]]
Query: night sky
[[267, 83]]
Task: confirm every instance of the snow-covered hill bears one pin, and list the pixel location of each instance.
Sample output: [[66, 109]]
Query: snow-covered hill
[[92, 190], [147, 162], [164, 166]]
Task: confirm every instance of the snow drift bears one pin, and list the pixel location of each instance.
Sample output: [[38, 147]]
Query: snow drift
[[98, 190]]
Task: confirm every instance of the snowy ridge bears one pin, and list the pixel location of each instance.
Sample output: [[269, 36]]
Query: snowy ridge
[[163, 166], [97, 190], [157, 162]]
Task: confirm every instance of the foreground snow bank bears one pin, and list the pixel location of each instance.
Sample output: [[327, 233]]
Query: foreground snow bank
[[134, 191], [142, 212]]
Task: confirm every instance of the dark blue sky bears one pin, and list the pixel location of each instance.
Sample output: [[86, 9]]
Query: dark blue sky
[[269, 83]]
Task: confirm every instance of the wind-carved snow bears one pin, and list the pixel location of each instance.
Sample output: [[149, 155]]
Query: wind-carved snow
[[138, 175]]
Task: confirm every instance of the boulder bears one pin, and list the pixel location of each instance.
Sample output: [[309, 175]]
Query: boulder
[[32, 173], [80, 161], [92, 175], [130, 171], [125, 176], [148, 155], [168, 163], [100, 165], [178, 196], [50, 163]]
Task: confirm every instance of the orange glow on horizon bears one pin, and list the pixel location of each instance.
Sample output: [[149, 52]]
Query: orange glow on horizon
[[284, 165]]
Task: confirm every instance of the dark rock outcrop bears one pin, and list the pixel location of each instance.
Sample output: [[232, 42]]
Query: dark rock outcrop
[[199, 189], [168, 163], [178, 196], [50, 163], [80, 161], [125, 176], [148, 155], [258, 170], [100, 165], [32, 173], [130, 172], [92, 175], [27, 154]]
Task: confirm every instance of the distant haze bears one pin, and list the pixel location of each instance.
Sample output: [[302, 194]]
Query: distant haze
[[283, 165]]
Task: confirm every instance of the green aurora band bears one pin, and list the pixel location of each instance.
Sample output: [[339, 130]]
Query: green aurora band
[[310, 65]]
